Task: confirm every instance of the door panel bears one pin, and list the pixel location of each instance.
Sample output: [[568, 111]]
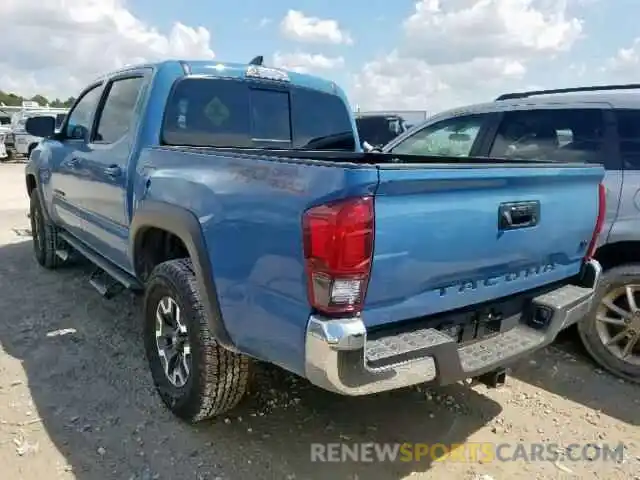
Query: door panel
[[104, 182], [67, 166]]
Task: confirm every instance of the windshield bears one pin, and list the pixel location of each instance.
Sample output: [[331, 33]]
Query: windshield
[[212, 112]]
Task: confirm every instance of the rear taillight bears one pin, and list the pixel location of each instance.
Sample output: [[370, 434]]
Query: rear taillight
[[602, 210], [338, 247]]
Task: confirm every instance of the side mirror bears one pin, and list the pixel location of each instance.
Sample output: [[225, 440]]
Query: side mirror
[[40, 126]]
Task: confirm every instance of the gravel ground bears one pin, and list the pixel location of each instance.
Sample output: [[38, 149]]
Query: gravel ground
[[76, 400]]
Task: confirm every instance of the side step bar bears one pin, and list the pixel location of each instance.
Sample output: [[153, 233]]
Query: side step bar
[[107, 278]]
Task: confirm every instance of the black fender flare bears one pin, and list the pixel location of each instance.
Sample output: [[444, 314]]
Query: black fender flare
[[32, 171], [32, 146], [185, 225]]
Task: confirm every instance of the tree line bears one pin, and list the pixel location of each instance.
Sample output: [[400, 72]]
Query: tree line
[[13, 100]]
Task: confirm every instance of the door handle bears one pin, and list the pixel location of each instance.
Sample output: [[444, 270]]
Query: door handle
[[113, 171], [518, 215]]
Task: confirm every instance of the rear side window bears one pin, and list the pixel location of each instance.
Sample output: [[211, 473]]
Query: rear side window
[[118, 109], [629, 133], [571, 135], [211, 112]]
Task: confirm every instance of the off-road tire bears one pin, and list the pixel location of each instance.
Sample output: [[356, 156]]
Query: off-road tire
[[218, 378], [44, 234], [611, 279]]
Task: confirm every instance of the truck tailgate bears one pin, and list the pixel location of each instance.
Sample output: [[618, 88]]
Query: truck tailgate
[[453, 236]]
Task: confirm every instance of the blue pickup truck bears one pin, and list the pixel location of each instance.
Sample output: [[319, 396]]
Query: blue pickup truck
[[238, 199]]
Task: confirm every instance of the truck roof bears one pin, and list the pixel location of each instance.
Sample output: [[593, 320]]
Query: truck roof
[[218, 68]]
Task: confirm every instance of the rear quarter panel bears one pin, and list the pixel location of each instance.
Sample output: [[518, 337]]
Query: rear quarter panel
[[250, 211]]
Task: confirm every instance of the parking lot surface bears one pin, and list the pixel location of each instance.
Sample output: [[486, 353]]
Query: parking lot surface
[[76, 399]]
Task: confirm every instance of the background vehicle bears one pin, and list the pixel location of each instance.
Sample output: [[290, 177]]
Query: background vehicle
[[4, 131], [237, 198], [594, 125], [23, 143], [379, 129]]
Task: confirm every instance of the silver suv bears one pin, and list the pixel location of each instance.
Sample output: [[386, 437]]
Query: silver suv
[[586, 124]]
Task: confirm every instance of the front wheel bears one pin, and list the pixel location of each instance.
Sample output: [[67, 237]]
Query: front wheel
[[611, 331], [195, 377], [44, 234]]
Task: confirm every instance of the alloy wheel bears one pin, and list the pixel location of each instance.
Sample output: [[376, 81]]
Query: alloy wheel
[[172, 341], [618, 323]]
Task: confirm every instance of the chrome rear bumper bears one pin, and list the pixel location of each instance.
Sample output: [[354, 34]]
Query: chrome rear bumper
[[341, 358]]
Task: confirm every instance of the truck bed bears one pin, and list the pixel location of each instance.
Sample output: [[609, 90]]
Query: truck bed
[[438, 244]]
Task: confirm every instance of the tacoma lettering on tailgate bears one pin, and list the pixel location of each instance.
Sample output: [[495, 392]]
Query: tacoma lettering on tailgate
[[462, 286]]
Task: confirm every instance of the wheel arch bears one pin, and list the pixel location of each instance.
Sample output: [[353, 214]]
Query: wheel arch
[[616, 254], [32, 146], [183, 224]]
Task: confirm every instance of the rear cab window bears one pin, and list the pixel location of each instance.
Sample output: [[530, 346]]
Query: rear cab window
[[247, 113]]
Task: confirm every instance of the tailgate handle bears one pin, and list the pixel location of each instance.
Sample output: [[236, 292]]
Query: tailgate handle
[[518, 215]]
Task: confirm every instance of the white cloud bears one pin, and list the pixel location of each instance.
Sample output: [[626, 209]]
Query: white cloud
[[297, 26], [306, 62], [625, 64], [54, 47], [456, 51], [487, 28]]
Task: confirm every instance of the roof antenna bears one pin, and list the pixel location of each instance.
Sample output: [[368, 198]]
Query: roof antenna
[[259, 60]]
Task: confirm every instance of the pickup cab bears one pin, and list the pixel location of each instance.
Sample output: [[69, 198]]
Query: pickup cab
[[238, 199]]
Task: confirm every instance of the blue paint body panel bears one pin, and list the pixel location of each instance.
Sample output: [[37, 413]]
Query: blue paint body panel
[[435, 225]]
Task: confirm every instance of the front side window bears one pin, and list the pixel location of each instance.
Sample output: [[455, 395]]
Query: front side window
[[118, 110], [453, 137], [80, 118], [247, 114], [564, 135]]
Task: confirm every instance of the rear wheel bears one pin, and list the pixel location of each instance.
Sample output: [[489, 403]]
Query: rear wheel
[[195, 377], [611, 332], [44, 234]]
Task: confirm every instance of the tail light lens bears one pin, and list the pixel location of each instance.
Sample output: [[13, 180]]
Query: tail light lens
[[602, 210], [338, 249]]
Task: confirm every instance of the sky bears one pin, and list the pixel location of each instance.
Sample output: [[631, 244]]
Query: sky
[[401, 54]]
